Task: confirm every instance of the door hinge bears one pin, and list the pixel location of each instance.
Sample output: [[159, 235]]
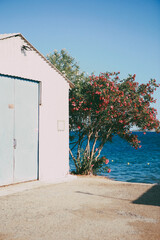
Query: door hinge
[[14, 143]]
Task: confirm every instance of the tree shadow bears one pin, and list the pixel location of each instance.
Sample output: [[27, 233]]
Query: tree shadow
[[151, 197]]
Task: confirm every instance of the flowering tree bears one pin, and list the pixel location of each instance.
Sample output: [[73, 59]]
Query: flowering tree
[[103, 106]]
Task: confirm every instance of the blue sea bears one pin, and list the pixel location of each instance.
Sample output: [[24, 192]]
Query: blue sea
[[130, 165]]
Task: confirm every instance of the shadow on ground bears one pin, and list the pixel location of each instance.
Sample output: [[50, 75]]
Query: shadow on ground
[[151, 197]]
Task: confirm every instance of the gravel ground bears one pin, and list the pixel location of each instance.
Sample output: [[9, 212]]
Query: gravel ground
[[89, 208]]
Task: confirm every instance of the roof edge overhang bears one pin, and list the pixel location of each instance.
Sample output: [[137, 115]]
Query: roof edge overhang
[[41, 55]]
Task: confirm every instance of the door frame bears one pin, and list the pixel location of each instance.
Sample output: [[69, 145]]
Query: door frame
[[39, 104]]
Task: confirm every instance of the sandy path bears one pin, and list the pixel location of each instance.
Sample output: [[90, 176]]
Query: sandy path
[[89, 208]]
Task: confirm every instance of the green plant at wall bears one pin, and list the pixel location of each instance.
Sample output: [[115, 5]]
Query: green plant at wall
[[66, 64]]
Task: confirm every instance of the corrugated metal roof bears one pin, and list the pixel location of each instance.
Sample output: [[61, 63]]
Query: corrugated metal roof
[[9, 35]]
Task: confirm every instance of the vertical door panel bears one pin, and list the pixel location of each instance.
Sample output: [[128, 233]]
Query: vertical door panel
[[6, 129], [26, 130]]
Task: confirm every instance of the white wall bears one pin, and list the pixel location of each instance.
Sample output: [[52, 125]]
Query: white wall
[[53, 144]]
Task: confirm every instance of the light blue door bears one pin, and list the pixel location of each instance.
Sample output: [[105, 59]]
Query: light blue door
[[6, 129], [18, 130], [26, 130]]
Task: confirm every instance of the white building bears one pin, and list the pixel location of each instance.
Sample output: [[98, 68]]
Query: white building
[[34, 127]]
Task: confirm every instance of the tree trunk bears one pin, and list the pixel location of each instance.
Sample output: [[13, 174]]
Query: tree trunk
[[87, 149], [94, 144]]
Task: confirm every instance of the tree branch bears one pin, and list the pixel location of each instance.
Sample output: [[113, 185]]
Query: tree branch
[[94, 144], [75, 162], [102, 144]]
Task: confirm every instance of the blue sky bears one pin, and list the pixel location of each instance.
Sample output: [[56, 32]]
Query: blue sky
[[102, 35]]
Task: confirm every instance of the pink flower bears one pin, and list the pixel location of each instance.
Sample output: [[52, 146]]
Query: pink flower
[[107, 161], [96, 149], [109, 170], [92, 165], [134, 75], [79, 127]]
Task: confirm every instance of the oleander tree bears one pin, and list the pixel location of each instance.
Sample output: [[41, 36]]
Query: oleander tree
[[104, 106], [101, 107]]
